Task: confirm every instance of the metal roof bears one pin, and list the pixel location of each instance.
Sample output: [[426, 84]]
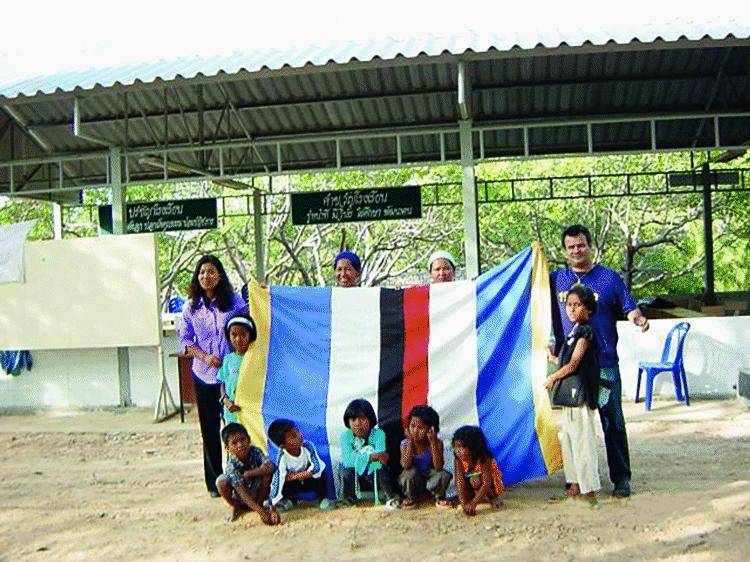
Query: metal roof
[[381, 104], [197, 66]]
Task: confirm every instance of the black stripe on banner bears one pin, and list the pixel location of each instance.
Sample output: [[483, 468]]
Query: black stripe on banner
[[391, 378]]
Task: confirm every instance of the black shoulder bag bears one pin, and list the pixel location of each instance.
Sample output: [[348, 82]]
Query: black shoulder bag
[[569, 392]]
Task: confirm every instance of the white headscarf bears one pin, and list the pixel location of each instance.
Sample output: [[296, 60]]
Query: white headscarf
[[441, 254]]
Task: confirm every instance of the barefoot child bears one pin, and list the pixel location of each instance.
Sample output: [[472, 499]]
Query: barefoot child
[[422, 459], [478, 478], [578, 436], [363, 456], [240, 333], [299, 468], [247, 476]]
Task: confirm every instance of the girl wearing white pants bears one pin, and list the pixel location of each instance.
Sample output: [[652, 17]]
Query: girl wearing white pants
[[578, 356]]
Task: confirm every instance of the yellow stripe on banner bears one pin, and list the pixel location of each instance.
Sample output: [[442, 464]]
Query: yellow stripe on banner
[[541, 326], [251, 383]]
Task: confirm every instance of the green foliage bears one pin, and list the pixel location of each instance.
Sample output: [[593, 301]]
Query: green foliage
[[656, 242], [20, 210]]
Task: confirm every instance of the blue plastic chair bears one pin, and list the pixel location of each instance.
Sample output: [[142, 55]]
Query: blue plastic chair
[[671, 362], [176, 304]]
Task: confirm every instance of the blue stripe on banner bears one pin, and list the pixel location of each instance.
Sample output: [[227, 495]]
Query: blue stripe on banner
[[505, 402], [298, 365]]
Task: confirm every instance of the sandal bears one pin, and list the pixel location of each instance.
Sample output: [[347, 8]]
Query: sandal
[[393, 504], [408, 504], [284, 505], [444, 503], [326, 504]]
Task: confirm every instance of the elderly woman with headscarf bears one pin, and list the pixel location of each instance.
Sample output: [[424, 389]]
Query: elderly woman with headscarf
[[347, 269], [442, 267]]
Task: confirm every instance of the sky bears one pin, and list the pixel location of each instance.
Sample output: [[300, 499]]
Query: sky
[[43, 37]]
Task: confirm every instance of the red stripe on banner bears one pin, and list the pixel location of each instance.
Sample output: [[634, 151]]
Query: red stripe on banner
[[416, 341]]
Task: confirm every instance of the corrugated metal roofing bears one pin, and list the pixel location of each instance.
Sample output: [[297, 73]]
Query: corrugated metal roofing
[[299, 110], [430, 46]]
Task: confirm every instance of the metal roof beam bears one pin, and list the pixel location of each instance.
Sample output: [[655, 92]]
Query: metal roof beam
[[5, 128], [408, 129], [194, 172], [314, 168], [21, 124], [149, 126], [560, 121], [404, 130], [240, 118], [26, 179], [711, 97], [201, 123], [239, 109], [41, 144], [77, 128], [184, 118]]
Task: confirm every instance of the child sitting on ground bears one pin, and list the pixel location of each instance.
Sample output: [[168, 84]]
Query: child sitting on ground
[[299, 468], [363, 456], [579, 356], [422, 459], [478, 478], [240, 333], [247, 476]]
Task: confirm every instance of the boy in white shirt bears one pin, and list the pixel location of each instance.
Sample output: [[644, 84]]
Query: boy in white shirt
[[299, 468]]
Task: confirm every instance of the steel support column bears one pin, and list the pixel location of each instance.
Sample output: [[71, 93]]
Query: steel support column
[[469, 196], [57, 221], [119, 226], [709, 295], [119, 218]]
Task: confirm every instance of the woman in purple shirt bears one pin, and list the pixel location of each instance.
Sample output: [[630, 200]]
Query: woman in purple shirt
[[212, 301]]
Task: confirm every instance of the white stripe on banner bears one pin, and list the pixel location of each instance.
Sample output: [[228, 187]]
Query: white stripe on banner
[[452, 359], [355, 359]]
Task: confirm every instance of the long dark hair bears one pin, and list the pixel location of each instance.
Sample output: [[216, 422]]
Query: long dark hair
[[473, 438], [224, 290]]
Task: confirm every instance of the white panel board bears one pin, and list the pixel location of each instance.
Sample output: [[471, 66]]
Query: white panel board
[[84, 293]]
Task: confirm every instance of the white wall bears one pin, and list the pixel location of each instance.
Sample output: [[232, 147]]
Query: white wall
[[715, 348], [74, 378]]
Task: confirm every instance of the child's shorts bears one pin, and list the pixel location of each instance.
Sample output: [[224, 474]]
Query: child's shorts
[[252, 486]]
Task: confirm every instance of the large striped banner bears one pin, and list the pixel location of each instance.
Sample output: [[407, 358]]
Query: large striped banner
[[473, 350]]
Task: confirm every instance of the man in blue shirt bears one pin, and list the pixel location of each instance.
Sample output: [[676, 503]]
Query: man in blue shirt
[[613, 303]]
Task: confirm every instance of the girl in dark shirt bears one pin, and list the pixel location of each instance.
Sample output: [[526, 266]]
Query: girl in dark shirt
[[578, 356]]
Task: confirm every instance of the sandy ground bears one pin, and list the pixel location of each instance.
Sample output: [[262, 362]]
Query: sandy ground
[[112, 485]]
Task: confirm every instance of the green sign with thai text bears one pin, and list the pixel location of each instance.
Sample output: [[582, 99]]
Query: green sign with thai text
[[355, 205], [162, 216]]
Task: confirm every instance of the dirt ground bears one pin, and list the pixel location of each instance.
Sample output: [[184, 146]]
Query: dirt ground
[[111, 485]]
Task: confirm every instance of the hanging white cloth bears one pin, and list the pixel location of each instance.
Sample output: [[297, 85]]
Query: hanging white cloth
[[12, 240]]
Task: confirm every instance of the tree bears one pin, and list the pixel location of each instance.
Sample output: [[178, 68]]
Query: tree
[[654, 241], [21, 209]]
